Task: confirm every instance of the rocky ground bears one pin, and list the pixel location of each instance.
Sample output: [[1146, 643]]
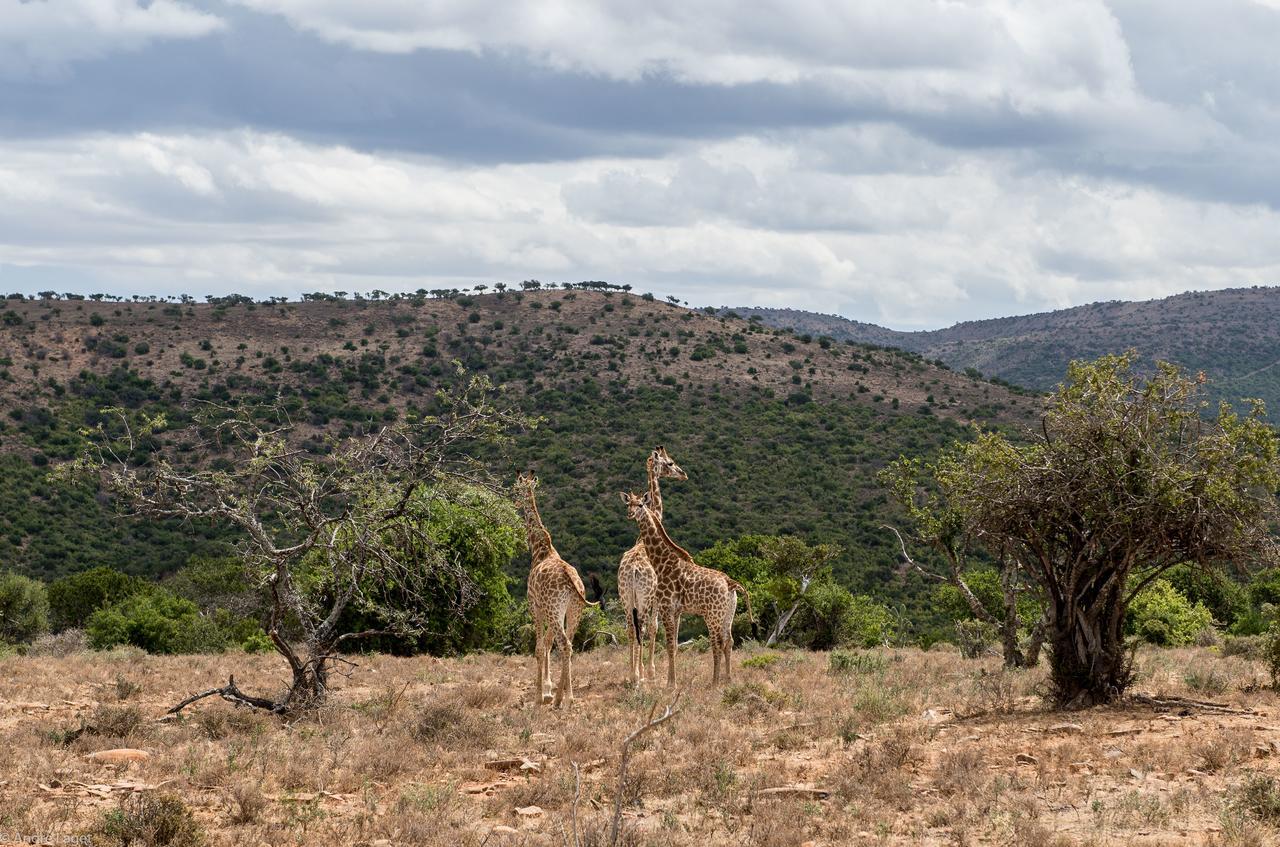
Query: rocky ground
[[882, 747]]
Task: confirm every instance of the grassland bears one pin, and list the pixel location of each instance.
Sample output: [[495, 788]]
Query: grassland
[[902, 747]]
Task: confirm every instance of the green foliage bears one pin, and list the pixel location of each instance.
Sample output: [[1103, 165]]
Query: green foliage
[[478, 532], [1223, 596], [156, 621], [1160, 614], [855, 662], [762, 661], [24, 608], [831, 616], [72, 599]]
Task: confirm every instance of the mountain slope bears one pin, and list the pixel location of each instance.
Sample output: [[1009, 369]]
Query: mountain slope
[[1231, 335], [778, 434]]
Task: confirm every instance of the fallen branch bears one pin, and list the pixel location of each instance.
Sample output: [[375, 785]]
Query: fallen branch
[[650, 723], [231, 694], [1188, 703]]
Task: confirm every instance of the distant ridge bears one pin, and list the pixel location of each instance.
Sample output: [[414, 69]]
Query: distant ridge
[[1233, 335]]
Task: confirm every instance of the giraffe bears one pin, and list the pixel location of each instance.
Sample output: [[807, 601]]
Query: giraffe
[[556, 599], [685, 587], [637, 581]]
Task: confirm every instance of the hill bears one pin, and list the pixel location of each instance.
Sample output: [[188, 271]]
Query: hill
[[1231, 335], [779, 433]]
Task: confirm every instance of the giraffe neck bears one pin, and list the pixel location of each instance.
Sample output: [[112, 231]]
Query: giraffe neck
[[655, 492], [664, 554], [535, 532]]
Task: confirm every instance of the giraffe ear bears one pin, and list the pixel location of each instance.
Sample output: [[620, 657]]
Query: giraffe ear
[[624, 496]]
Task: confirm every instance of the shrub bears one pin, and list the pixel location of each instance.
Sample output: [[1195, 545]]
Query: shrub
[[855, 662], [24, 608], [974, 637], [151, 820], [59, 644], [764, 660], [1160, 614], [72, 599], [156, 621]]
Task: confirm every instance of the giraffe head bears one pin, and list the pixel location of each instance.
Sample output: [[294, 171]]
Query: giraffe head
[[526, 484], [665, 466], [637, 505]]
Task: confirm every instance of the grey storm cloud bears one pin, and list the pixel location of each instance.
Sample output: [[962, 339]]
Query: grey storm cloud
[[912, 162]]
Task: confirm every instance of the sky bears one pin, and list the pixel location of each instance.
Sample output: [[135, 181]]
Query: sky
[[905, 162]]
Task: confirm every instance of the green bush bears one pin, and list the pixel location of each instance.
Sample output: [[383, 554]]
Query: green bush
[[1160, 614], [156, 621], [72, 599], [853, 662], [24, 608]]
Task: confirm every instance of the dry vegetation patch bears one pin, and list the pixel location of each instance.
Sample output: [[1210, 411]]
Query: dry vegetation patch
[[887, 747]]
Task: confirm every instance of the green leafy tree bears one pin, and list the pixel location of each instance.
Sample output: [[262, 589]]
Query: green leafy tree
[[24, 608], [72, 599], [1126, 478]]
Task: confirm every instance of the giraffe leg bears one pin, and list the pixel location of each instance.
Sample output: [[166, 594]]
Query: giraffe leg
[[713, 635], [570, 627], [540, 664], [635, 645], [564, 691], [653, 645], [671, 630], [726, 648]]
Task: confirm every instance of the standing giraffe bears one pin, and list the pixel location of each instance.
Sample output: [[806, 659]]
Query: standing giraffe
[[556, 599], [637, 581], [687, 588]]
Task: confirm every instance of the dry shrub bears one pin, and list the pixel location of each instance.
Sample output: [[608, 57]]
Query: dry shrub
[[877, 768], [1209, 680], [1222, 751], [150, 820], [776, 824], [484, 695], [755, 698], [125, 688], [218, 723], [245, 802], [960, 772], [445, 721], [59, 645], [114, 721]]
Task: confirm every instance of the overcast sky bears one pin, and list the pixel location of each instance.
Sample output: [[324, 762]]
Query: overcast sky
[[905, 162]]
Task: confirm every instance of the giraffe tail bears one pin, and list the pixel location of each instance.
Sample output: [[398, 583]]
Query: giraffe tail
[[738, 586], [597, 590]]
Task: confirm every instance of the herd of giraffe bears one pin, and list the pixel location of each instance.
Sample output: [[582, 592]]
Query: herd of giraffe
[[657, 580]]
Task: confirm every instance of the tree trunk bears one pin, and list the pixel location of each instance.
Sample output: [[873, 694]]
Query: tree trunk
[[1088, 662]]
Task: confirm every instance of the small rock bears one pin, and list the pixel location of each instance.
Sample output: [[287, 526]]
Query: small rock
[[122, 756], [529, 811], [1066, 728], [380, 842], [1026, 759], [502, 829], [1114, 753], [1261, 751]]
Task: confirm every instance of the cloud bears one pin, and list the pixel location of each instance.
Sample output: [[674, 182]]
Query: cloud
[[41, 36], [265, 213]]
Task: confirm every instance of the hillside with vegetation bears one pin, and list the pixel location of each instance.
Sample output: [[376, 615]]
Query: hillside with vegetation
[[780, 433], [1232, 335]]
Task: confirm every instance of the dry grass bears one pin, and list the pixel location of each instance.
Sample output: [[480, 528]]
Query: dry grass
[[914, 748]]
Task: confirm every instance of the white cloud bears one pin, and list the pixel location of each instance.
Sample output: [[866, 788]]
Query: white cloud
[[41, 36], [746, 222]]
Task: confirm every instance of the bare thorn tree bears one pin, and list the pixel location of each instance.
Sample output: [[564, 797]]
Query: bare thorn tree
[[319, 530]]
